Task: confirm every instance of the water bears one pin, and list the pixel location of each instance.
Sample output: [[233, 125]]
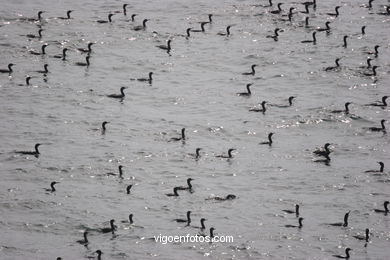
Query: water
[[194, 88]]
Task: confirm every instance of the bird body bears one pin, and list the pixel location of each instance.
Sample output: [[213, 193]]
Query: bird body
[[141, 27], [262, 109], [314, 40], [246, 94], [36, 152], [9, 70], [253, 72], [84, 64], [106, 21], [379, 129], [118, 96], [188, 220], [181, 138], [229, 156]]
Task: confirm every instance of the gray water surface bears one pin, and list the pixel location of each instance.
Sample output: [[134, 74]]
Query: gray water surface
[[195, 87]]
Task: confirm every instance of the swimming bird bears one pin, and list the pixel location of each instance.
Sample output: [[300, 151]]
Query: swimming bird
[[387, 11], [378, 104], [248, 93], [345, 41], [314, 41], [290, 99], [52, 188], [307, 22], [366, 237], [45, 69], [149, 79], [332, 68], [110, 229], [373, 74], [196, 155], [124, 9], [39, 53], [269, 142], [188, 32], [294, 226], [290, 14], [336, 13], [35, 153], [130, 221], [326, 29], [375, 52], [33, 36], [252, 71], [306, 10], [275, 36], [141, 27], [63, 56], [189, 185], [369, 66], [369, 6], [346, 110], [40, 15], [174, 194], [9, 70], [227, 31], [182, 138], [296, 211], [89, 48], [262, 109], [128, 188], [377, 129], [210, 18], [166, 47], [385, 205], [105, 21], [279, 9], [119, 96], [347, 256], [133, 17], [83, 64], [188, 220], [202, 225], [212, 232], [202, 29], [104, 127], [67, 15], [187, 35], [99, 254], [35, 19], [120, 170], [84, 242], [344, 224], [228, 197], [323, 152], [28, 78], [382, 166], [363, 30], [229, 156], [313, 3]]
